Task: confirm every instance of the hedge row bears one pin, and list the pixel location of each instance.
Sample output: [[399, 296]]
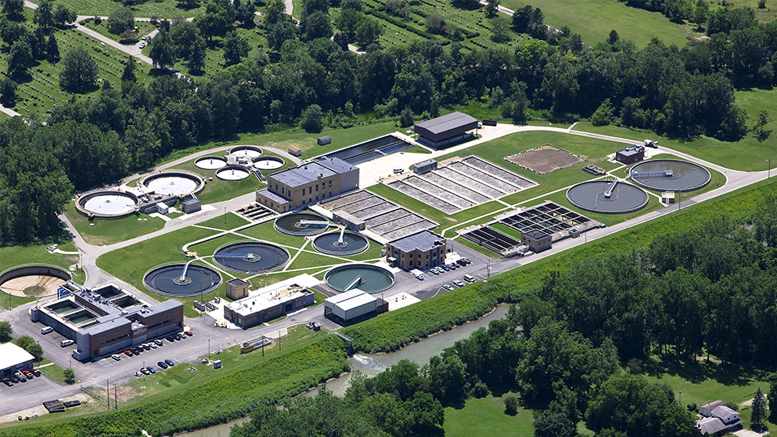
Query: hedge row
[[217, 401], [401, 24]]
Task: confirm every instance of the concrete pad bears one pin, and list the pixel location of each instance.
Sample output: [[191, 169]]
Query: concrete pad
[[401, 300]]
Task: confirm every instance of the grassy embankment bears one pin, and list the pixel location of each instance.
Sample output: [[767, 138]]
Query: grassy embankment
[[167, 402], [12, 256], [594, 19]]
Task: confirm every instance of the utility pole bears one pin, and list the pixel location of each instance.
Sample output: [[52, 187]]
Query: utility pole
[[225, 215], [115, 397], [769, 169], [108, 393], [280, 346], [208, 348]]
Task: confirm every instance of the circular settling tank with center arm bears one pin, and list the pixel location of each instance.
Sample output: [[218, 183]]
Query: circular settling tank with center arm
[[250, 152], [233, 173], [301, 225], [341, 243], [173, 183], [182, 280], [251, 257], [608, 197], [107, 204], [670, 175], [366, 277], [268, 163], [210, 162]]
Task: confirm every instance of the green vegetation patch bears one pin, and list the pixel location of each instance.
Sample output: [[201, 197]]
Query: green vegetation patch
[[246, 381], [230, 221], [594, 19], [161, 8], [487, 416], [218, 190], [101, 232]]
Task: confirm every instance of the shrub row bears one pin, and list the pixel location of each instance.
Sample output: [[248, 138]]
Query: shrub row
[[399, 23], [217, 401]]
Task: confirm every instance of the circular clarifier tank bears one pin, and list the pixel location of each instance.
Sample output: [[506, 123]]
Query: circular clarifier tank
[[173, 183], [301, 225], [366, 277], [670, 175], [268, 163], [107, 204], [251, 257], [233, 173], [331, 244], [180, 280], [210, 162], [250, 152], [593, 196]]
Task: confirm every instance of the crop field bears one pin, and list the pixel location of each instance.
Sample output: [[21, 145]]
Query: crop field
[[161, 8], [594, 19]]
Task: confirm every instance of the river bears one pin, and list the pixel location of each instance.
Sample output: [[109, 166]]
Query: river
[[372, 364]]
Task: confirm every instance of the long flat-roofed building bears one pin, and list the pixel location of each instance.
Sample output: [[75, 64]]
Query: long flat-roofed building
[[107, 320], [353, 306], [271, 302], [448, 129], [13, 359], [308, 184], [422, 250]]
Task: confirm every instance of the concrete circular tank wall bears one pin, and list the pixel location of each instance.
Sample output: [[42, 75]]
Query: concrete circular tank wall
[[233, 172], [370, 278], [250, 152], [174, 183], [268, 163], [670, 175], [251, 257], [107, 204], [590, 196], [33, 280], [210, 162], [352, 244], [166, 280]]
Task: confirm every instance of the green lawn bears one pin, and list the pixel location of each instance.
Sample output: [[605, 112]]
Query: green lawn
[[104, 231], [11, 256], [40, 91], [507, 230], [487, 417], [148, 9], [144, 28], [230, 221], [745, 155], [266, 231], [219, 190], [54, 372], [594, 19]]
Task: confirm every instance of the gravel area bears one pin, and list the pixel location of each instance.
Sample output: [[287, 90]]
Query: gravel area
[[385, 218], [355, 208], [432, 201], [435, 191], [499, 172], [459, 189], [470, 182], [396, 224], [345, 200], [410, 230], [377, 210], [477, 174]]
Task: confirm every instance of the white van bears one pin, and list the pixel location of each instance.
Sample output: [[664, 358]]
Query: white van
[[46, 330], [469, 278], [65, 343]]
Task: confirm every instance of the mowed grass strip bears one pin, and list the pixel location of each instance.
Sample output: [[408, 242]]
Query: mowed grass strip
[[102, 232], [594, 19]]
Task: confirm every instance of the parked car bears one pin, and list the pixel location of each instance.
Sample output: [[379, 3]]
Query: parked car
[[15, 379], [189, 333], [46, 330], [21, 377], [434, 272], [36, 372], [170, 363], [170, 338], [458, 283], [136, 350], [65, 343], [462, 262], [447, 287], [7, 381], [116, 357], [466, 260], [128, 353], [145, 371], [469, 278], [153, 345], [158, 342], [162, 365], [446, 268], [151, 369], [182, 334], [27, 374]]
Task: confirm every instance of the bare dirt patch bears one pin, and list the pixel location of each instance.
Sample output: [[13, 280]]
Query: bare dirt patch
[[544, 159]]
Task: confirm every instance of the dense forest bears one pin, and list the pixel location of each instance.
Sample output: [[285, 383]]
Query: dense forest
[[573, 348], [304, 77]]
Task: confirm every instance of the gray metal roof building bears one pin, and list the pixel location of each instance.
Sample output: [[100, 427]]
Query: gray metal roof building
[[445, 130], [423, 241]]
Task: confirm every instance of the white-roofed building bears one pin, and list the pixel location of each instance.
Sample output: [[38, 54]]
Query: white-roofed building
[[13, 358], [352, 306]]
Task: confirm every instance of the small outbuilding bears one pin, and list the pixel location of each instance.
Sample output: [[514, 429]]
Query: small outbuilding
[[425, 167], [353, 306], [536, 240], [237, 289], [191, 205], [446, 130], [322, 141], [13, 359], [295, 151], [162, 208], [631, 155]]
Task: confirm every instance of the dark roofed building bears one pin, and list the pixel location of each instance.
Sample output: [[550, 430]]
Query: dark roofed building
[[422, 250], [536, 240], [308, 184], [631, 154], [448, 129]]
